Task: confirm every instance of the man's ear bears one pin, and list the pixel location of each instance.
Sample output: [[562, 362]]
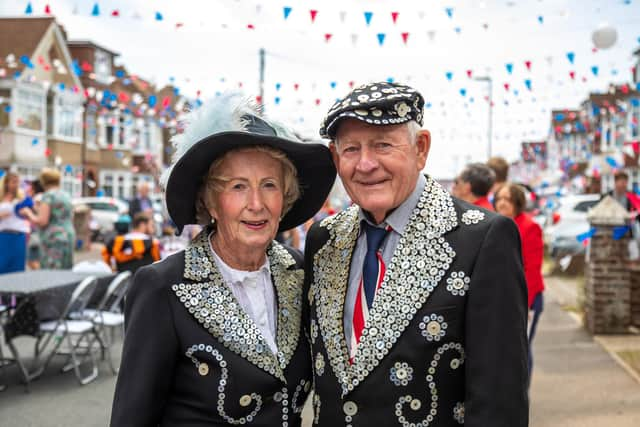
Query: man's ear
[[423, 145], [334, 153]]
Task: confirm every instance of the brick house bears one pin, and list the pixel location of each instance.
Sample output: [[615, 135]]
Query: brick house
[[41, 113]]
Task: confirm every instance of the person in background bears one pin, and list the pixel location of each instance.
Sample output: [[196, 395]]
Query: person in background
[[130, 251], [34, 190], [54, 221], [510, 201], [500, 168], [473, 185], [141, 203], [13, 229], [621, 192]]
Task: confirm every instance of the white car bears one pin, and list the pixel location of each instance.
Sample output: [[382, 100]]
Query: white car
[[105, 211], [567, 222]]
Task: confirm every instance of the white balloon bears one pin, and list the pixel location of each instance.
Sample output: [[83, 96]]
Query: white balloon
[[604, 36]]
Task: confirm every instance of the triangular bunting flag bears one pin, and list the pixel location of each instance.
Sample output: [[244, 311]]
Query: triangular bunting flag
[[29, 9], [313, 14], [287, 11], [327, 37], [159, 16], [394, 17], [96, 10], [367, 17], [405, 37], [381, 37]]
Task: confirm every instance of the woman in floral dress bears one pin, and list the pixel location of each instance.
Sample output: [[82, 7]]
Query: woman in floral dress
[[54, 220]]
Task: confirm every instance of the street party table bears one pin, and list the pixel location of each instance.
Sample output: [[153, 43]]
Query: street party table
[[41, 295]]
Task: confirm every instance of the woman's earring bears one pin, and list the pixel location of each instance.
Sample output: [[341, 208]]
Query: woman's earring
[[213, 221]]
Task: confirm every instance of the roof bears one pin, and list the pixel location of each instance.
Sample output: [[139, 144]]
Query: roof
[[21, 36], [89, 43]]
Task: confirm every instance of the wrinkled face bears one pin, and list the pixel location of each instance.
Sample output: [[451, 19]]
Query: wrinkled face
[[504, 204], [248, 209], [378, 165]]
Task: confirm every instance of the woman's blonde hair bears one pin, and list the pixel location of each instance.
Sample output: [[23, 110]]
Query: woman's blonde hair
[[213, 182], [4, 185], [49, 177]]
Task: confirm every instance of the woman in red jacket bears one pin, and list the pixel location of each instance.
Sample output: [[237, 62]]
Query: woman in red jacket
[[510, 201]]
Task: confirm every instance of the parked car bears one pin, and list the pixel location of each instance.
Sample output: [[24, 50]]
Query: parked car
[[105, 211], [567, 222]]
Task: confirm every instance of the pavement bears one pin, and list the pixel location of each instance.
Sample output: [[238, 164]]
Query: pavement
[[576, 383]]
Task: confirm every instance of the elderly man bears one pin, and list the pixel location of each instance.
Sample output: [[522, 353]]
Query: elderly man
[[141, 203], [415, 302], [474, 183]]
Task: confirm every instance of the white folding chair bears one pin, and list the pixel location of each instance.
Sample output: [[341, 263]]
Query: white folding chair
[[69, 327], [3, 310], [108, 317]]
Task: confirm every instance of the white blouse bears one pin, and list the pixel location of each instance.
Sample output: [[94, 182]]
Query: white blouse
[[255, 294]]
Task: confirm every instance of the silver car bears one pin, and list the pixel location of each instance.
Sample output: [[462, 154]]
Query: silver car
[[105, 211]]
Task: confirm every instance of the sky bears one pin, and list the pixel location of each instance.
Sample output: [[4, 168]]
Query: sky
[[524, 46]]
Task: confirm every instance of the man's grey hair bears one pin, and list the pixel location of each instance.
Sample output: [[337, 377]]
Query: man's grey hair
[[412, 127], [480, 176]]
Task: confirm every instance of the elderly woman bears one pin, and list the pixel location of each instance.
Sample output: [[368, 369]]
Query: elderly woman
[[213, 333], [510, 201], [54, 221]]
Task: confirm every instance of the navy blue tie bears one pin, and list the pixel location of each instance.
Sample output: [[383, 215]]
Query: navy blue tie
[[371, 266]]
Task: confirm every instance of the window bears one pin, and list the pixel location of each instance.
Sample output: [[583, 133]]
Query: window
[[71, 181], [29, 112], [102, 66], [116, 183], [5, 99], [103, 206], [68, 117], [92, 127], [585, 206]]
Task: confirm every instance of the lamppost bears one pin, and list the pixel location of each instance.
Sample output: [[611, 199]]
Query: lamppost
[[490, 100]]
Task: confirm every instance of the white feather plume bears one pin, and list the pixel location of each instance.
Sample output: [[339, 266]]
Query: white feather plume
[[220, 114]]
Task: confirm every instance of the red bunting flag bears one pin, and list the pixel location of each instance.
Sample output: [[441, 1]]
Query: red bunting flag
[[115, 13], [317, 101], [240, 84], [296, 86], [506, 87], [47, 10], [251, 27], [313, 13], [179, 25], [625, 88], [469, 73], [528, 65], [394, 17], [405, 37], [351, 83], [572, 74], [327, 37], [259, 99]]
